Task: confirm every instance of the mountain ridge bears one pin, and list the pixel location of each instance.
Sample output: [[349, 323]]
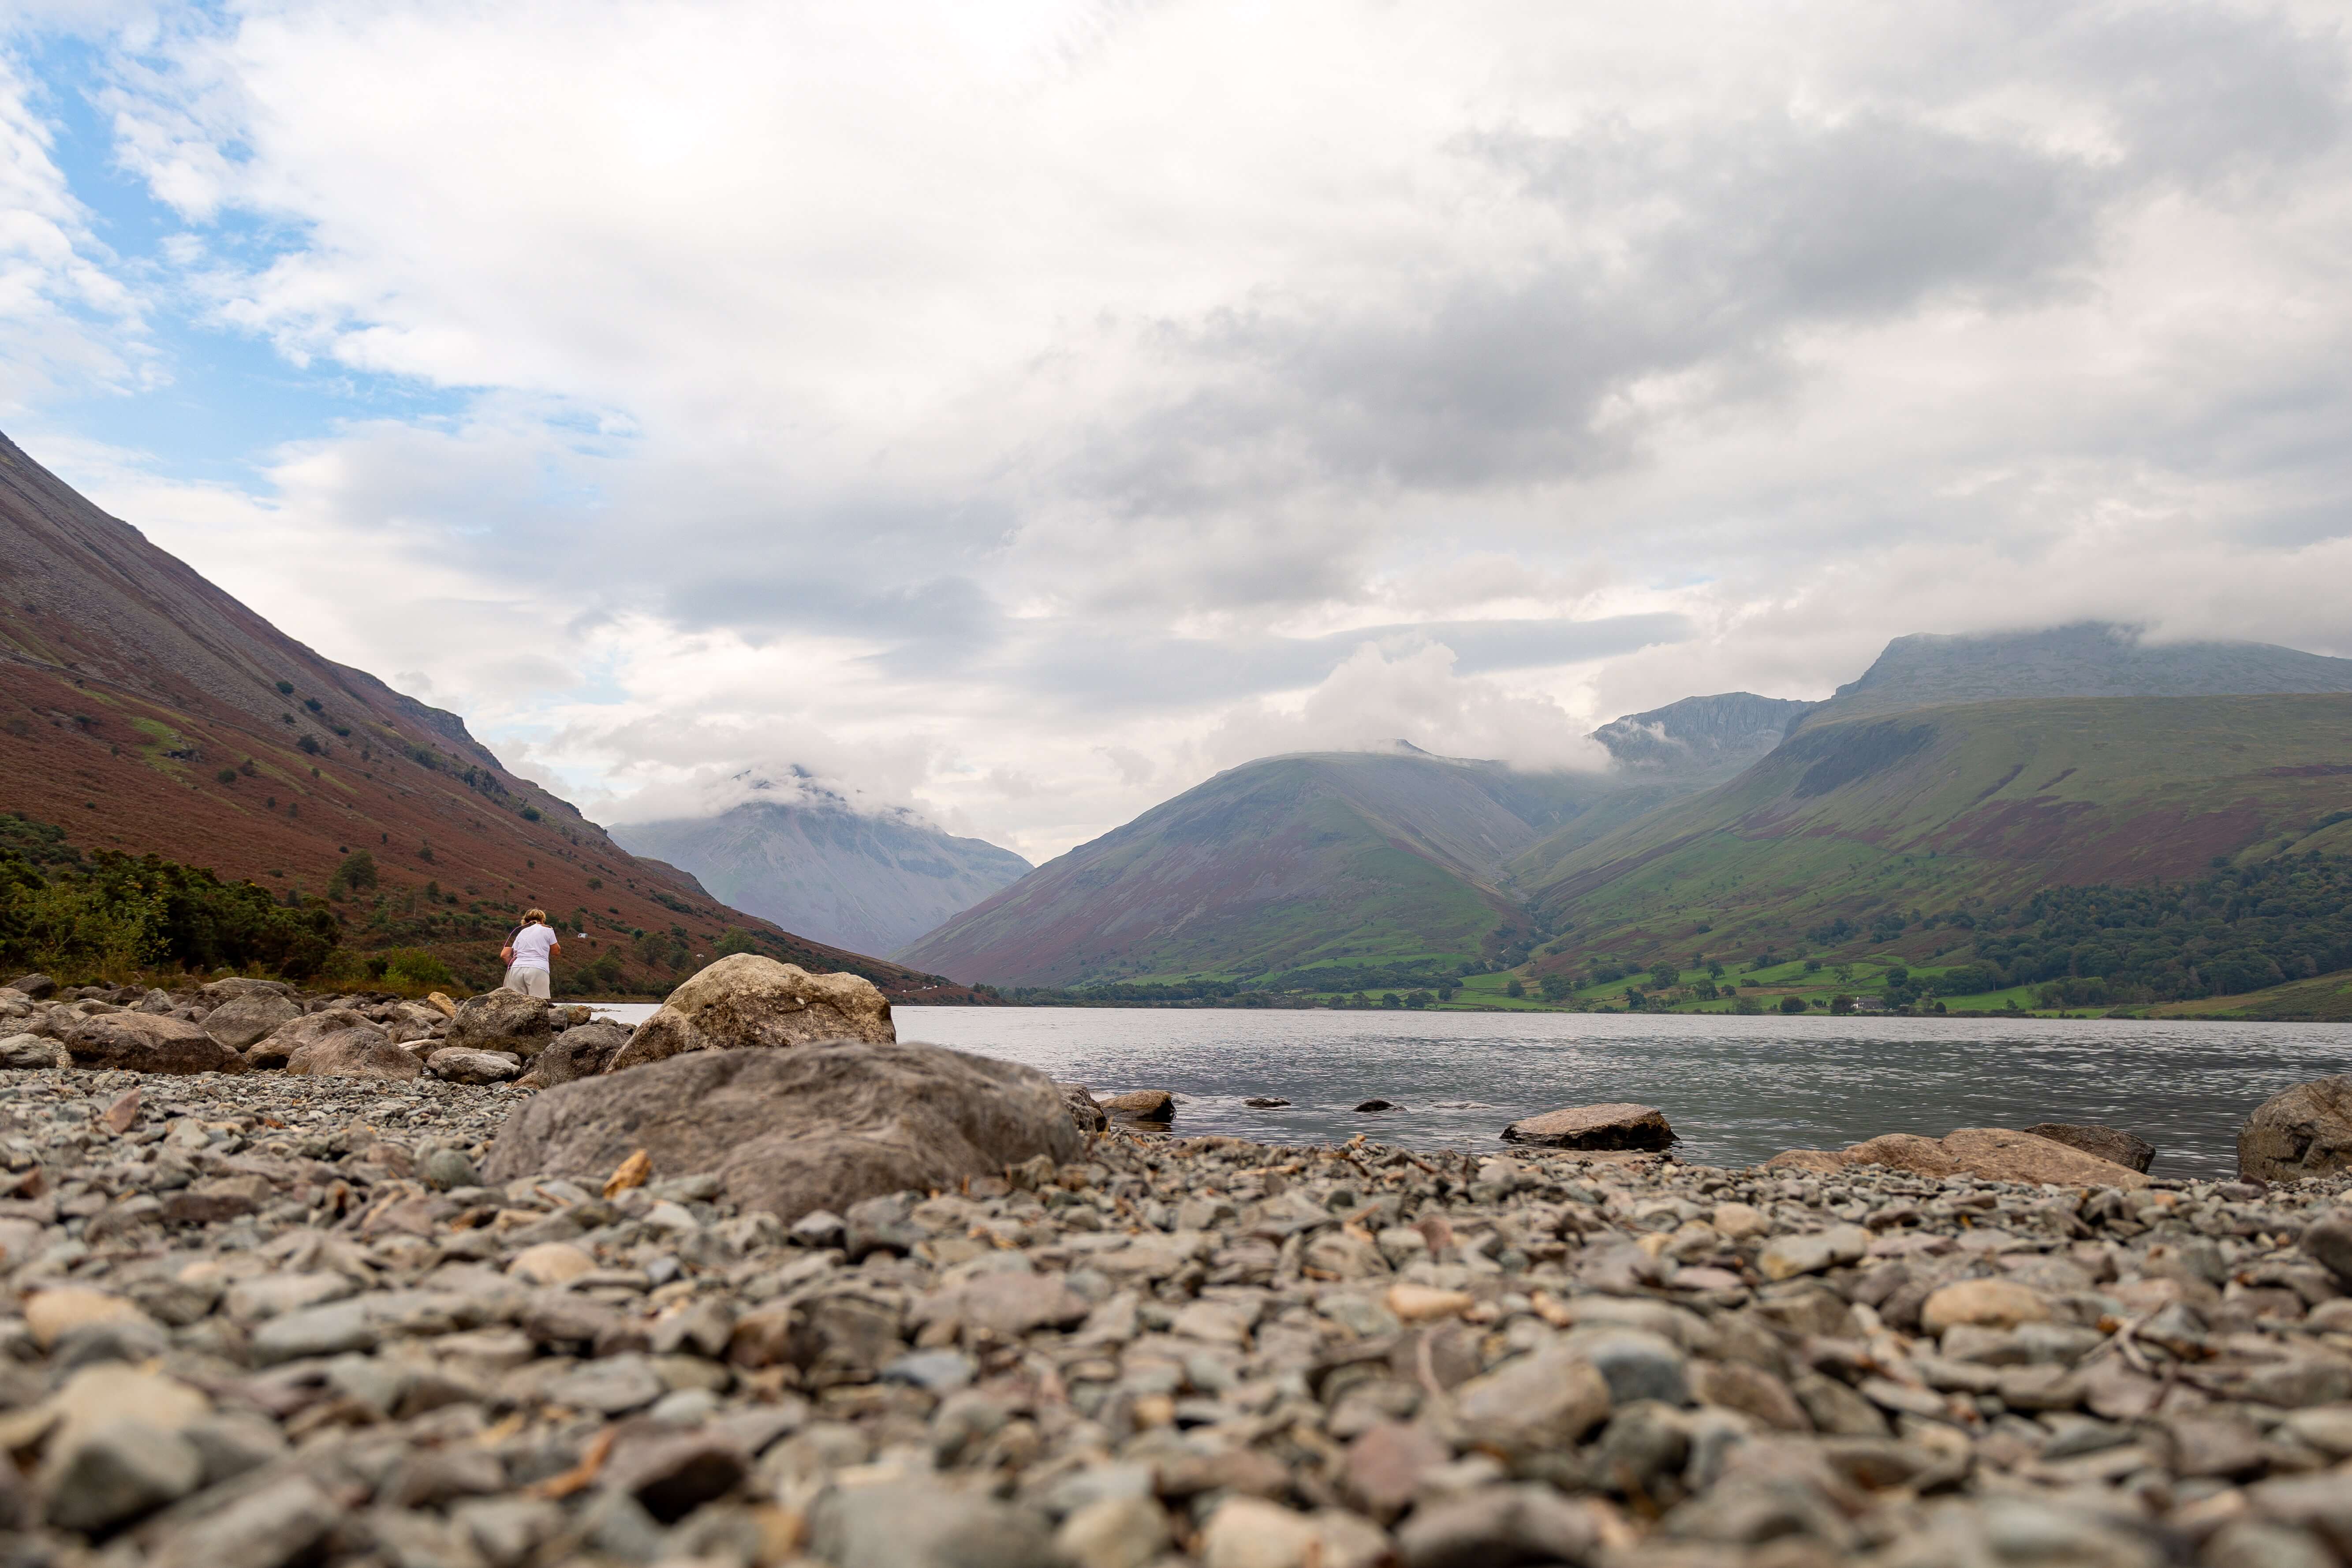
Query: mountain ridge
[[144, 709]]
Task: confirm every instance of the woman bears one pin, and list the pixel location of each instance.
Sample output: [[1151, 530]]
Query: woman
[[527, 952]]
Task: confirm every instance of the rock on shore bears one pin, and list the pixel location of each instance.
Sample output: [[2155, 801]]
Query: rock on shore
[[1613, 1126], [1995, 1154], [2305, 1131], [745, 999], [825, 1126], [276, 1321]]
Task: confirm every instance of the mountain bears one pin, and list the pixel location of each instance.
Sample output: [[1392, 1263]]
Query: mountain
[[1339, 862], [1701, 739], [870, 881], [144, 709], [2086, 659], [1854, 828]]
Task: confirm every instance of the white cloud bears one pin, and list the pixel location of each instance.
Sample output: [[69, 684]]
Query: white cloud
[[1015, 412]]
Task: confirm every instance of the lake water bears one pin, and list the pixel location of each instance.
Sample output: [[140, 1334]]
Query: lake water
[[1738, 1090]]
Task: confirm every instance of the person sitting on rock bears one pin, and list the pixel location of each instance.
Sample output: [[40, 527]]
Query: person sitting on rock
[[527, 954]]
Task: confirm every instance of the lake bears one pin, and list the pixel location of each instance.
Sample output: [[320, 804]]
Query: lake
[[1738, 1090]]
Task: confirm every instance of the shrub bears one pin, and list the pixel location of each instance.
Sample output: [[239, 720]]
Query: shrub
[[416, 966], [313, 704], [308, 744], [356, 872], [1793, 1004], [1516, 988], [226, 775], [531, 813], [734, 940], [285, 689]]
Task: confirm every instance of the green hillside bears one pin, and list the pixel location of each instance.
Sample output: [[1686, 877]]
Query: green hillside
[[1330, 870], [1853, 837]]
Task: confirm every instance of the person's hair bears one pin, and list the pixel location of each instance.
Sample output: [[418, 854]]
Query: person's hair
[[531, 917]]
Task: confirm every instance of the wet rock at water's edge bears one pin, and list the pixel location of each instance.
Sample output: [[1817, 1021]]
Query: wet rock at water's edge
[[1618, 1125]]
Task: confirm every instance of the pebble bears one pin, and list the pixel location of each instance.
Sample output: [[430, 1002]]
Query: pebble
[[270, 1320]]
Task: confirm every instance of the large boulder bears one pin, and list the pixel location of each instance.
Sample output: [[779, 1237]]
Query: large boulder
[[582, 1051], [461, 1064], [147, 1042], [220, 992], [363, 1051], [2107, 1142], [823, 1127], [237, 1024], [746, 1000], [37, 985], [2306, 1131], [277, 1047], [501, 1021], [1618, 1125], [1989, 1153]]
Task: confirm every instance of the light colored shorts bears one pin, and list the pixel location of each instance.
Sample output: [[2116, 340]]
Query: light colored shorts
[[530, 982]]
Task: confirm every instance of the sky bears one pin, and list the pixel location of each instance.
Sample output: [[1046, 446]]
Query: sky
[[1022, 410]]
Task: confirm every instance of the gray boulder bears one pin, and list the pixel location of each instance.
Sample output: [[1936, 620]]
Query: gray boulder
[[457, 1064], [2305, 1131], [28, 1051], [2107, 1142], [825, 1126], [364, 1051], [276, 1047], [145, 1042], [1612, 1126], [1154, 1107], [221, 992], [581, 1051], [238, 1023], [37, 985], [746, 1000], [502, 1021], [1085, 1114]]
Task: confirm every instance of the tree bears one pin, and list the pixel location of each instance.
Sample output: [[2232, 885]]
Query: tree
[[1664, 974], [356, 873], [1841, 1003], [1793, 1004], [734, 940], [1557, 987], [1516, 988]]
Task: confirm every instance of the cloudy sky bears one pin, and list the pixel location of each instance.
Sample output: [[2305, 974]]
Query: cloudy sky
[[1022, 410]]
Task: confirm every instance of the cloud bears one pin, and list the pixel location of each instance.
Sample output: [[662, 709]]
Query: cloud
[[1015, 412]]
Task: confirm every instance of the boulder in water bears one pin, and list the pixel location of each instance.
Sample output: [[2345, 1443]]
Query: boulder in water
[[1154, 1106], [746, 1000], [2305, 1131], [1619, 1124], [825, 1126]]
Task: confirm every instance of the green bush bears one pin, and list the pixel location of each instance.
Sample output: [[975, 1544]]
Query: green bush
[[1793, 1004], [356, 873], [416, 966], [112, 912]]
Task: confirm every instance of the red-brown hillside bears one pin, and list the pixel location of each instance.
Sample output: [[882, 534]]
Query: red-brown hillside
[[129, 686]]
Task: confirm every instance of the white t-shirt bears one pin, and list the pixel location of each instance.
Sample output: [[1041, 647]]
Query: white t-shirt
[[531, 945]]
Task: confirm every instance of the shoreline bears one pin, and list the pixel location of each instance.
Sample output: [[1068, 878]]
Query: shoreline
[[1169, 1350]]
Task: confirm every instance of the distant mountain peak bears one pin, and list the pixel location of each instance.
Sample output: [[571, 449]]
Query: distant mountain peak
[[1716, 735], [2082, 659]]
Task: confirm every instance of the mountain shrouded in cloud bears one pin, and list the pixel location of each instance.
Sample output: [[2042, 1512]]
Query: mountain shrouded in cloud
[[1034, 409], [804, 857]]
